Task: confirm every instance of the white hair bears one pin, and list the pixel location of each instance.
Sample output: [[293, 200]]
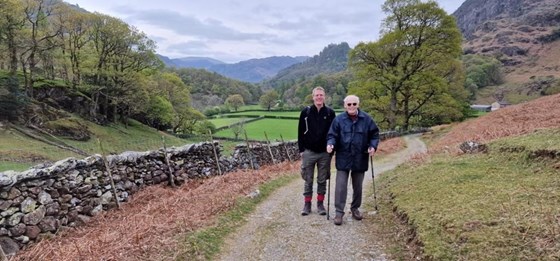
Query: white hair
[[352, 96]]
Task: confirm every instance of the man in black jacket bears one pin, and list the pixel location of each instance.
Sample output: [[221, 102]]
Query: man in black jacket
[[314, 124]]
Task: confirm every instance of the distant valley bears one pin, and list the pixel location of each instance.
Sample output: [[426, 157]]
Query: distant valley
[[253, 70]]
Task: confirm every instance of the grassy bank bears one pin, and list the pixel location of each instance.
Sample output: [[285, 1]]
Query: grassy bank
[[19, 152], [502, 205]]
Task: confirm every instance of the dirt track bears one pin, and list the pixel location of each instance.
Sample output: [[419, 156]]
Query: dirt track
[[277, 231]]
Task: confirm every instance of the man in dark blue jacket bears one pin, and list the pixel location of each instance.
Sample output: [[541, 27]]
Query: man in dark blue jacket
[[354, 136], [314, 124]]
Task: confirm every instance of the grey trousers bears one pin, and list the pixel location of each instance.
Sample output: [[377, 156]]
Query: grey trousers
[[341, 190], [322, 160]]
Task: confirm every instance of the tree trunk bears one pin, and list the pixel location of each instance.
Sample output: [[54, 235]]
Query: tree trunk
[[393, 111]]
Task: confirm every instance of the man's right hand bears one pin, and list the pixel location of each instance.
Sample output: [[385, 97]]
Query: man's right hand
[[330, 148]]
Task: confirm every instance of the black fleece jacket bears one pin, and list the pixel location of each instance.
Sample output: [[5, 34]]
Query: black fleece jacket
[[313, 128]]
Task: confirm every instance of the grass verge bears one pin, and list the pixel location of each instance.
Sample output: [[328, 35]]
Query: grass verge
[[204, 244], [497, 206]]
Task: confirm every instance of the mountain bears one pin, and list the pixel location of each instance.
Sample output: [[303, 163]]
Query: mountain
[[197, 62], [256, 70], [523, 34], [332, 59], [253, 70]]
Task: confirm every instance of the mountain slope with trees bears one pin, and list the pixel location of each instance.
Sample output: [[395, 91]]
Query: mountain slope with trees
[[332, 59], [58, 59], [211, 89]]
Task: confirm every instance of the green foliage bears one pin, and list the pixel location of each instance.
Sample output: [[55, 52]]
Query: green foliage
[[42, 83], [160, 112], [106, 59], [413, 69], [269, 99], [12, 100], [194, 122], [211, 89], [332, 59], [554, 89], [481, 71], [235, 101], [216, 110], [328, 70], [203, 128]]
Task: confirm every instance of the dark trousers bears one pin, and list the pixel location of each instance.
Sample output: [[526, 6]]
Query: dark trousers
[[341, 190], [310, 159]]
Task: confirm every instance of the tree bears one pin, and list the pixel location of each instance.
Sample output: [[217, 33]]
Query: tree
[[39, 38], [235, 101], [269, 99], [238, 128], [413, 65], [160, 113], [192, 121], [481, 71], [75, 27], [11, 23]]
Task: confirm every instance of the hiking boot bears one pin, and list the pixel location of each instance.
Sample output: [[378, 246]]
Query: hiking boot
[[338, 220], [306, 209], [320, 208], [356, 214]]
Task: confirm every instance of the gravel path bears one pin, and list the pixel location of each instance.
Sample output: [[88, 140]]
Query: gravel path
[[277, 231]]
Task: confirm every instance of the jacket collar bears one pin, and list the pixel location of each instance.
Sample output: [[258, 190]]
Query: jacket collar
[[360, 114]]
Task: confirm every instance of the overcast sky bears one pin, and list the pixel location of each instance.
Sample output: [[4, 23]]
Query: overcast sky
[[237, 30]]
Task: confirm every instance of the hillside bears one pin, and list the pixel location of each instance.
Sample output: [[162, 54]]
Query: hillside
[[515, 120], [22, 147], [209, 89], [523, 34], [253, 70], [332, 59]]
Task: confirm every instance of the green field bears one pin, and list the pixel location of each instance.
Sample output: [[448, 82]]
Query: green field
[[222, 122], [273, 128]]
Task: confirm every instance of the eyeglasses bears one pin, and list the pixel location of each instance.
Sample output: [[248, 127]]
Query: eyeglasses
[[351, 104]]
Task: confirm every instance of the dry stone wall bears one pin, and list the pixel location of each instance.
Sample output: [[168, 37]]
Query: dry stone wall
[[44, 199]]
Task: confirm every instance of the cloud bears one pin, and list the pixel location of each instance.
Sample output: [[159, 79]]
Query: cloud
[[208, 29], [235, 30]]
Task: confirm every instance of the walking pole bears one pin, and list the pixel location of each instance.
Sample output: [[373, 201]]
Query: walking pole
[[328, 195], [373, 181]]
